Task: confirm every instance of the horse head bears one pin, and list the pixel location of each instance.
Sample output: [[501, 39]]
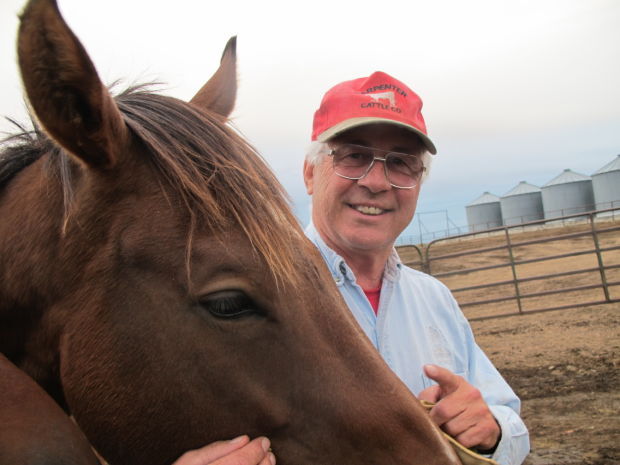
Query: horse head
[[157, 286]]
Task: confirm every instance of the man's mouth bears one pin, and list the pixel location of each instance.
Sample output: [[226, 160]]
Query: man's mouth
[[368, 210]]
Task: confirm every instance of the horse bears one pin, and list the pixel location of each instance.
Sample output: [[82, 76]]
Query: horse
[[158, 294]]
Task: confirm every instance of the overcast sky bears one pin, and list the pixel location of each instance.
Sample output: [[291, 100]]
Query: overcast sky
[[513, 90]]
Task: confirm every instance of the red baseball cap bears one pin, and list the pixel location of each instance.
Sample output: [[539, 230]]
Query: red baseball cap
[[378, 98]]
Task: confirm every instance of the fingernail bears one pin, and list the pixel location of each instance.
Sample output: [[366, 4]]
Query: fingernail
[[238, 439], [272, 459], [430, 370], [265, 444]]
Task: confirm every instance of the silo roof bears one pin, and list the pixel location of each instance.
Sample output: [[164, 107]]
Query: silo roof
[[522, 188], [487, 197], [567, 176], [613, 165]]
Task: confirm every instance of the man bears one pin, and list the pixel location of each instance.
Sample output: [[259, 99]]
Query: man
[[364, 170]]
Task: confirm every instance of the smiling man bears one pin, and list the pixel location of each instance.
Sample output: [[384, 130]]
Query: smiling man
[[364, 169]]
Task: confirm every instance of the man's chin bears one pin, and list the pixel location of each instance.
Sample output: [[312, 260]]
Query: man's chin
[[363, 239]]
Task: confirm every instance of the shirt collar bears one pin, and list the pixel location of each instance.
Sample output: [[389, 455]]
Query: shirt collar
[[339, 268]]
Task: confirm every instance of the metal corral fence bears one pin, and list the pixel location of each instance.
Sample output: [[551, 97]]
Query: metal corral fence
[[451, 229], [539, 266]]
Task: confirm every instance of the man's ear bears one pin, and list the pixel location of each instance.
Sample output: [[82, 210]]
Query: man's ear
[[309, 176]]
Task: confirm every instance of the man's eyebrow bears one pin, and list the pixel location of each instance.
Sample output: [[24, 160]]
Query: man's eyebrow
[[402, 149], [360, 142], [406, 149], [396, 148], [413, 149]]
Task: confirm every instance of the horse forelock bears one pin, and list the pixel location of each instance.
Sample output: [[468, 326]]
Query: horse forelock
[[220, 178]]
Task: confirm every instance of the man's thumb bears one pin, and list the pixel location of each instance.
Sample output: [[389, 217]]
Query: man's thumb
[[430, 394]]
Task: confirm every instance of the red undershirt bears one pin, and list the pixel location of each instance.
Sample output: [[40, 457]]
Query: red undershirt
[[373, 297]]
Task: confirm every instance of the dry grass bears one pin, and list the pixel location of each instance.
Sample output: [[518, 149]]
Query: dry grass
[[565, 367]]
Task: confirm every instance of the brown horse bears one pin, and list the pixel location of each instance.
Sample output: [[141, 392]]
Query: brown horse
[[156, 286]]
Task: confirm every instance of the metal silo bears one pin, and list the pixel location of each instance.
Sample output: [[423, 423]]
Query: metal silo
[[567, 193], [606, 185], [484, 213], [521, 204]]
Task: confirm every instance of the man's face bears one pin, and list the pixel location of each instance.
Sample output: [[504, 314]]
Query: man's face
[[364, 215]]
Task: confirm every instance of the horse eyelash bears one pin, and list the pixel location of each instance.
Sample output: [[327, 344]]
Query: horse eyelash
[[238, 303]]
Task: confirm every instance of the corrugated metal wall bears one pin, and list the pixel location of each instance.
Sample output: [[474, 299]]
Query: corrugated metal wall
[[522, 204]]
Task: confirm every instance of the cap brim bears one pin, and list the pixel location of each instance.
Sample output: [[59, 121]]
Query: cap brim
[[355, 122]]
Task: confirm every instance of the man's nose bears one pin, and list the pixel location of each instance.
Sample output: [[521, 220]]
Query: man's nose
[[375, 179]]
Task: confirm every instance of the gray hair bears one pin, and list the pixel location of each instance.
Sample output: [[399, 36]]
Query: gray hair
[[316, 151]]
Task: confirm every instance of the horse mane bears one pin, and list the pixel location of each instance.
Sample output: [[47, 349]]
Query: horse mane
[[218, 176], [21, 149]]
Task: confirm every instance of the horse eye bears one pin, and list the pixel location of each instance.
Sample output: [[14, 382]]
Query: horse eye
[[228, 304]]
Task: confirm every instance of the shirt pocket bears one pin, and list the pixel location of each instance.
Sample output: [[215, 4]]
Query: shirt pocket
[[441, 352]]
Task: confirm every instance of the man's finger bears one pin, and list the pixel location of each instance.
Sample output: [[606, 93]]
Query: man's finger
[[448, 381], [430, 394], [445, 411], [212, 452], [252, 453], [269, 459]]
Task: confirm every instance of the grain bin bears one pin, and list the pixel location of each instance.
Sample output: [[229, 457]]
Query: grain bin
[[484, 213], [521, 204], [566, 194], [606, 185]]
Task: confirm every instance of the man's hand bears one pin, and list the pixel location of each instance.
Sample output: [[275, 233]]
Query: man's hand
[[460, 410], [239, 451]]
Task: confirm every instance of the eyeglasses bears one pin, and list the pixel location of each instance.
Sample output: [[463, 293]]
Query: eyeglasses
[[402, 170]]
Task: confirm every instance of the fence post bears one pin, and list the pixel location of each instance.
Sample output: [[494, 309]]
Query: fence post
[[426, 262], [599, 257], [514, 270]]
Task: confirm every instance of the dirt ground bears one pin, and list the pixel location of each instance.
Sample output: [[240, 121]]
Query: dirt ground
[[563, 364], [565, 367]]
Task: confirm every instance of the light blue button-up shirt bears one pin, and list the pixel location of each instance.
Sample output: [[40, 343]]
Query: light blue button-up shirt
[[419, 322]]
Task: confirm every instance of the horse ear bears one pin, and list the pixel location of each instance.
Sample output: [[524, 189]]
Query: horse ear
[[219, 93], [64, 90]]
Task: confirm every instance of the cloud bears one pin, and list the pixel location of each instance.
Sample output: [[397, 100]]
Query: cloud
[[512, 90]]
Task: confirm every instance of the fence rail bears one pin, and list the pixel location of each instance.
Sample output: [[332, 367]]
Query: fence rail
[[528, 268], [565, 215]]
